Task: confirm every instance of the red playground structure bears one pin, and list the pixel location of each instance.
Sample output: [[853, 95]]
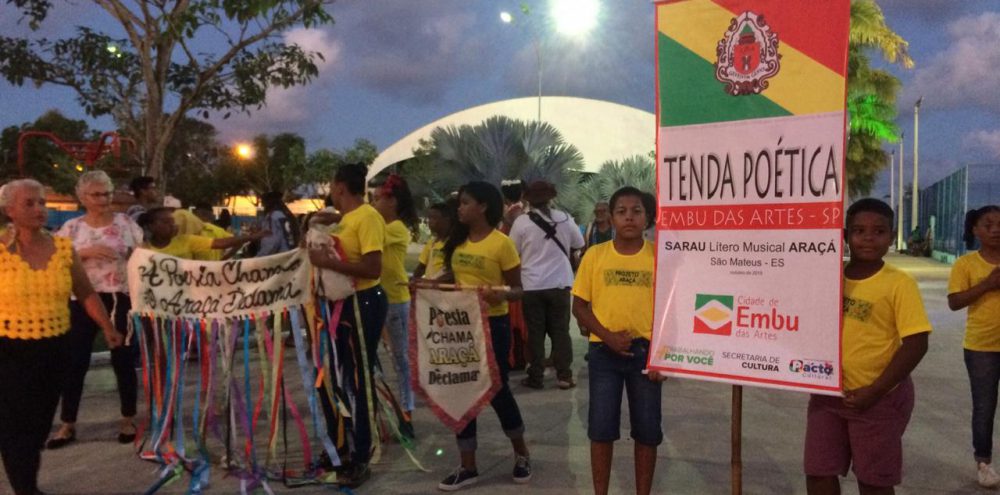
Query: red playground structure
[[87, 152]]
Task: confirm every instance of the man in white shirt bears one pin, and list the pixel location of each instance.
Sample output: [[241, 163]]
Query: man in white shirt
[[547, 240]]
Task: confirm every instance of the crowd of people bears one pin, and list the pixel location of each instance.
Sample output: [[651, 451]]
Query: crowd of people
[[536, 268]]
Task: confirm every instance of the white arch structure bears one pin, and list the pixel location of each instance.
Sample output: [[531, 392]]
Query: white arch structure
[[601, 130]]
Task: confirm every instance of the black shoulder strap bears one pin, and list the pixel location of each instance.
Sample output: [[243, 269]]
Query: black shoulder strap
[[549, 229]]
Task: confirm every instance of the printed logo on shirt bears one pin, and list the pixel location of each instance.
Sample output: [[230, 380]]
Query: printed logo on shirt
[[713, 314], [628, 278], [469, 261], [857, 309]]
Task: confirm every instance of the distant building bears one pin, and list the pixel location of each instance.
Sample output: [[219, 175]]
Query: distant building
[[600, 130]]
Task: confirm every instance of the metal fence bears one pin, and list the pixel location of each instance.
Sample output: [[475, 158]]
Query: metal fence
[[943, 206]]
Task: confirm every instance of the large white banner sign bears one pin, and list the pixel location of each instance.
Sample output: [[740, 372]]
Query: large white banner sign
[[451, 354], [750, 174], [178, 288]]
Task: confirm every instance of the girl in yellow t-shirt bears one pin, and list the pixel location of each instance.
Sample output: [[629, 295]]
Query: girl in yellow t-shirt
[[477, 254], [975, 284], [395, 203], [441, 218]]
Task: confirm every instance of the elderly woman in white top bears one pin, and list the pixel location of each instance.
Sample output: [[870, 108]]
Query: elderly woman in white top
[[104, 240]]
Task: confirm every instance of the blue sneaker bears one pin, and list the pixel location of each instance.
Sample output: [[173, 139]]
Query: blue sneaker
[[459, 479]]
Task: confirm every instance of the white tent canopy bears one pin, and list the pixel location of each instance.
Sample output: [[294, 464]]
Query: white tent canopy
[[601, 130]]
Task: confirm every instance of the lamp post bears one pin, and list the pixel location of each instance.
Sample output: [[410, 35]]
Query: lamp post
[[508, 18], [915, 214], [572, 18], [892, 180], [900, 243]]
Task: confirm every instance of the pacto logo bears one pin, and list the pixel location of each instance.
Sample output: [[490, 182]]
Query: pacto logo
[[713, 314], [811, 367]]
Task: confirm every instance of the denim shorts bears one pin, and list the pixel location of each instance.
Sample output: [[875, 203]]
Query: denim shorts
[[610, 374]]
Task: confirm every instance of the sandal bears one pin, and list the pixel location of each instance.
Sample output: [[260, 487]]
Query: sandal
[[125, 436], [61, 441]]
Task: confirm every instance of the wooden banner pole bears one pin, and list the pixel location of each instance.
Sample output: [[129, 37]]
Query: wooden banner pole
[[736, 460], [448, 286]]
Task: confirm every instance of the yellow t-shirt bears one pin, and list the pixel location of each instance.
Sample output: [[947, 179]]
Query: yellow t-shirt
[[878, 312], [982, 326], [619, 288], [483, 263], [394, 278], [212, 232], [360, 232], [185, 246], [432, 257]]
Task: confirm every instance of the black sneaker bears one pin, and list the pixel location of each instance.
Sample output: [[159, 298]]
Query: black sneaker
[[522, 469], [534, 383], [355, 476], [459, 479], [406, 429]]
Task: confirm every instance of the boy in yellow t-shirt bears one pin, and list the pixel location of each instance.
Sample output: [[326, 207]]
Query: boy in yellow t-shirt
[[613, 298], [163, 237], [884, 337], [975, 284]]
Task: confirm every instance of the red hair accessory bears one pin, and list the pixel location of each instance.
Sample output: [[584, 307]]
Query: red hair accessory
[[391, 183]]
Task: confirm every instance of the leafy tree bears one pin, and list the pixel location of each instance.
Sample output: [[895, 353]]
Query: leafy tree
[[871, 94], [45, 161], [150, 80]]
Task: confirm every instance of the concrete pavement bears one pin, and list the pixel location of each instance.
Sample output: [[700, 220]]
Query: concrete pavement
[[694, 458]]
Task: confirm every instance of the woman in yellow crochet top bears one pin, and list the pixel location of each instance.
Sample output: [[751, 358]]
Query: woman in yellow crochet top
[[39, 273]]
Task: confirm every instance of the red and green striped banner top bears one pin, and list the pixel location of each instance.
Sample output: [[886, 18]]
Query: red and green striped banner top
[[728, 60]]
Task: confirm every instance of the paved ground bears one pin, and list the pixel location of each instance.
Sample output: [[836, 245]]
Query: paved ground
[[694, 458]]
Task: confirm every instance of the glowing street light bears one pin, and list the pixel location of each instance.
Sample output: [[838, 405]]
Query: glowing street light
[[572, 18], [244, 151], [575, 17]]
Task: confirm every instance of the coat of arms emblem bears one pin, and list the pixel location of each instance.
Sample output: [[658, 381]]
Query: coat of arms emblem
[[747, 55]]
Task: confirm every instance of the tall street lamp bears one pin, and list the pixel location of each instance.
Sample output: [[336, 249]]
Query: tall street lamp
[[892, 180], [914, 215], [508, 18], [572, 18], [900, 243]]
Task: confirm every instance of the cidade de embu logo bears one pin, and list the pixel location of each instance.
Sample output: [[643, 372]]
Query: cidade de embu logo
[[713, 314]]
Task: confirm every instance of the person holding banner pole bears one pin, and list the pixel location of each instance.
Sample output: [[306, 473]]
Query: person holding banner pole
[[163, 237], [104, 240], [360, 235], [613, 298], [478, 255], [40, 272], [884, 337], [395, 203]]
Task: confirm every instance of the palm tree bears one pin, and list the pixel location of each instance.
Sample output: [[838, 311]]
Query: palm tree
[[501, 148], [871, 94], [637, 171]]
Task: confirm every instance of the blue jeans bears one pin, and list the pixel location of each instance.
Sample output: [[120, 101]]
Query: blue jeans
[[398, 324], [609, 375], [503, 402], [984, 376]]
